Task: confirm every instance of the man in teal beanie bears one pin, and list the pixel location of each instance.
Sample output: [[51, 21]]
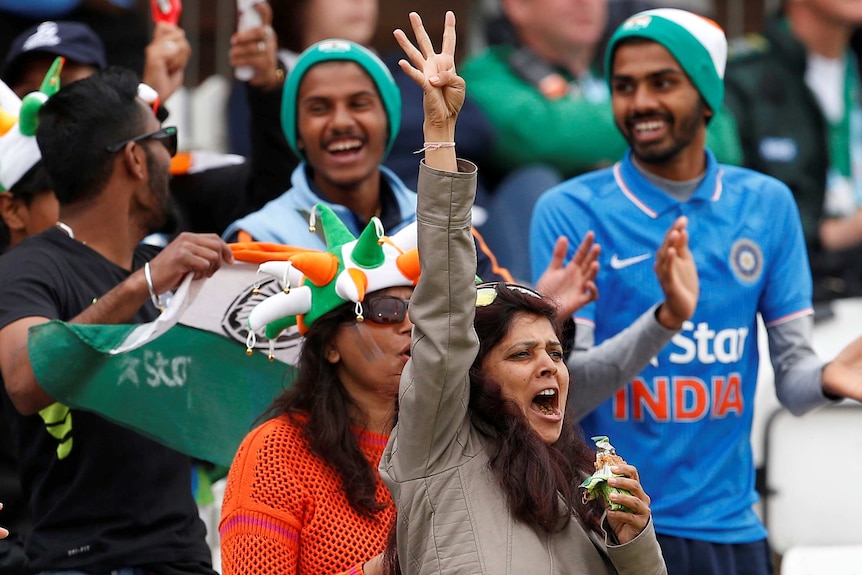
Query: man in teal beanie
[[345, 51], [684, 417], [696, 43], [341, 111]]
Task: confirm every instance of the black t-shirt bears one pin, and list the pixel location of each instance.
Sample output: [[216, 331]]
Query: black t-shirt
[[101, 496]]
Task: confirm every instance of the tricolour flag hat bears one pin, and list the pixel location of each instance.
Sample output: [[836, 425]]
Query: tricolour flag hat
[[316, 282]]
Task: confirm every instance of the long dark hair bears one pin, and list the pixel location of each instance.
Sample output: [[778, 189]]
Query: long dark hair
[[530, 472], [318, 403]]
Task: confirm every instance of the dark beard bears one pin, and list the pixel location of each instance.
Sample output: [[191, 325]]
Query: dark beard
[[688, 127], [172, 222], [660, 157], [163, 219]]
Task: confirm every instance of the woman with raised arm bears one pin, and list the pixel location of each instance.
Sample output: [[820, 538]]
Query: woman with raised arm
[[482, 464]]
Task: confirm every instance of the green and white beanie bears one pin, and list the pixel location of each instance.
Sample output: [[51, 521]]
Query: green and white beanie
[[697, 43], [340, 50]]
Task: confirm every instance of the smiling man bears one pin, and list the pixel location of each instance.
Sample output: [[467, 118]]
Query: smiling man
[[685, 419], [340, 113]]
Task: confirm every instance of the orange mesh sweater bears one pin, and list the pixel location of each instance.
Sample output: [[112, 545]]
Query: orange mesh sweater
[[285, 511]]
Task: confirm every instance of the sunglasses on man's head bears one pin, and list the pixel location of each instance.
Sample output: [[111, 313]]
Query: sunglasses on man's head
[[166, 137], [486, 293], [383, 309]]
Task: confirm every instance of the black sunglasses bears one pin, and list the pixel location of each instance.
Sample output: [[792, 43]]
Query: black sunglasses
[[166, 137], [383, 309]]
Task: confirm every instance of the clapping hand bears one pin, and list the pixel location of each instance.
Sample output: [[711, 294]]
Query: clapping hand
[[572, 285], [677, 275]]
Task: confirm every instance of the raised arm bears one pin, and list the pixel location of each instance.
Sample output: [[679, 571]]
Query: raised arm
[[434, 386], [167, 55], [257, 48]]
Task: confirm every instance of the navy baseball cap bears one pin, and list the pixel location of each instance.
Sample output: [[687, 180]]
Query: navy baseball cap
[[73, 40]]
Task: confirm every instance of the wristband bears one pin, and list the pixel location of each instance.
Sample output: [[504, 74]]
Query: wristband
[[434, 146]]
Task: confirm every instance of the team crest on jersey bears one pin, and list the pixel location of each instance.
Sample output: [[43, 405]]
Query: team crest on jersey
[[746, 260]]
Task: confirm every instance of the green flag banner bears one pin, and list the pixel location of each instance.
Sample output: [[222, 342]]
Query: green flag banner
[[184, 380]]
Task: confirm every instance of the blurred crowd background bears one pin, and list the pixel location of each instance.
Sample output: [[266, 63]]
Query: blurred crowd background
[[125, 28]]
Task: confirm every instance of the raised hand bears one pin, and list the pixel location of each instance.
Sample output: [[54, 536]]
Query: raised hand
[[258, 49], [435, 72], [677, 275], [166, 57], [572, 285], [842, 377]]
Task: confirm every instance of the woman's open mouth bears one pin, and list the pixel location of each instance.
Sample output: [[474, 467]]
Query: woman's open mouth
[[547, 403]]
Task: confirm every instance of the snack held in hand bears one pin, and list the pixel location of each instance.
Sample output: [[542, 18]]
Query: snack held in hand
[[596, 485]]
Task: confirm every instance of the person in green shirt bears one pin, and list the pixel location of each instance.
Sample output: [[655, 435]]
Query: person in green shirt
[[794, 92], [543, 92]]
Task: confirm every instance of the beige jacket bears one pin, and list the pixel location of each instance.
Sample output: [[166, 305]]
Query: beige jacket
[[452, 516]]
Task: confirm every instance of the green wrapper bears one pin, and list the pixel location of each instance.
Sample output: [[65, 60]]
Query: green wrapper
[[596, 485]]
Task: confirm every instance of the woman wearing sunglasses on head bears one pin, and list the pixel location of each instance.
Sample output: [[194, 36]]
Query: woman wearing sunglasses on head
[[482, 464]]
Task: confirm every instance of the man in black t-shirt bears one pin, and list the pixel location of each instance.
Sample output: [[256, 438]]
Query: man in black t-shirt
[[101, 498]]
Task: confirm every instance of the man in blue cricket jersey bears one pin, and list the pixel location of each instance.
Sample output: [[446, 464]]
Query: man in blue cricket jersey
[[685, 419]]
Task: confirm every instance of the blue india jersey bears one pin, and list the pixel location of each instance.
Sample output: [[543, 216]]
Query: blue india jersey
[[685, 421]]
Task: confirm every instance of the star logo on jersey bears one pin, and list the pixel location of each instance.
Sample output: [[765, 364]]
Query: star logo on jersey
[[619, 263], [746, 260]]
